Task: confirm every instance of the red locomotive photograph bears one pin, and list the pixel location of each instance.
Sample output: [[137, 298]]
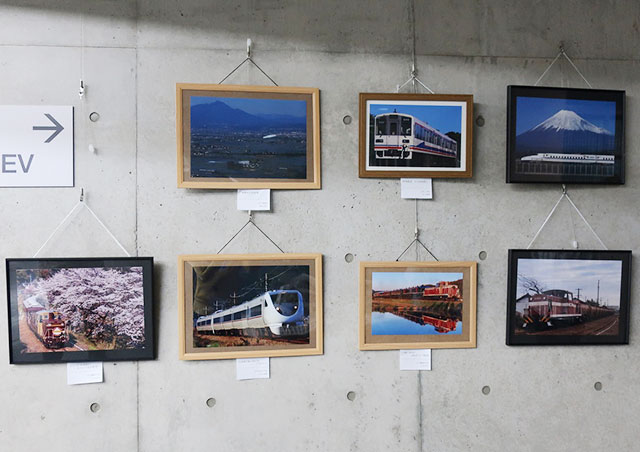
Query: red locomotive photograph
[[79, 309], [578, 298]]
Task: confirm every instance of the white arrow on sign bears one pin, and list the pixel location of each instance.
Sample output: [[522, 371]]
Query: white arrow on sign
[[56, 126], [29, 158]]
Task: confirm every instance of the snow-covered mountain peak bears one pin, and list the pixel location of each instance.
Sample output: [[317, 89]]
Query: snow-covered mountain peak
[[569, 120]]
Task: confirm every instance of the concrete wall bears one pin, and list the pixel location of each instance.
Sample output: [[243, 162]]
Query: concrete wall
[[131, 54]]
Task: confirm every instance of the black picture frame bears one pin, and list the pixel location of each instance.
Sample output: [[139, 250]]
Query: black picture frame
[[584, 153], [554, 314], [33, 341]]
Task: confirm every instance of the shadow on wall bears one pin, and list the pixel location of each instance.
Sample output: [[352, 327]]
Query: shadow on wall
[[332, 25]]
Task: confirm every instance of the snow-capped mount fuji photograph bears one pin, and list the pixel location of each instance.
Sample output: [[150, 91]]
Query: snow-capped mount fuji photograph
[[565, 135], [566, 132]]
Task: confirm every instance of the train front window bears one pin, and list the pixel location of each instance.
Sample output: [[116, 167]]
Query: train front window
[[286, 303], [393, 127], [381, 125], [405, 123]]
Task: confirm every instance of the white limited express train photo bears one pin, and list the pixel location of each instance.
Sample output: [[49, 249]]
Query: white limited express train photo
[[274, 313]]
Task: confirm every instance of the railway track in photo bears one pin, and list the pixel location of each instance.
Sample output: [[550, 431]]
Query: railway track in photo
[[601, 327], [239, 341], [34, 345]]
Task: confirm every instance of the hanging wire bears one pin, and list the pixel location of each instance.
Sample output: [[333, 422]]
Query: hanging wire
[[80, 205], [563, 196], [573, 227], [250, 60], [413, 79], [562, 52], [417, 241], [250, 221]]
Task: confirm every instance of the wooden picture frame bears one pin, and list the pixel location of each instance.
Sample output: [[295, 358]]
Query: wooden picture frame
[[401, 136], [565, 135], [568, 297], [236, 136], [80, 309], [408, 305], [249, 305]]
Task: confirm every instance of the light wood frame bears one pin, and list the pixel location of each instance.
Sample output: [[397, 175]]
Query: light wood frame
[[467, 338], [186, 332], [311, 95], [418, 171]]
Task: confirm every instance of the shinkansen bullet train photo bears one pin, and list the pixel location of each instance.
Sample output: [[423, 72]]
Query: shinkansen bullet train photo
[[274, 313], [403, 136], [570, 158]]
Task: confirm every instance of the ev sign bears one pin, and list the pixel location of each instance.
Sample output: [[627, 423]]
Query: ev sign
[[36, 146]]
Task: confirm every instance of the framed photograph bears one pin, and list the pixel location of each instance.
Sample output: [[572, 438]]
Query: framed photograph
[[249, 305], [565, 135], [80, 309], [232, 136], [415, 135], [405, 305], [567, 297]]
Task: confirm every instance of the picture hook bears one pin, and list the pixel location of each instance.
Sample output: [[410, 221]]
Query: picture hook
[[249, 48], [561, 47], [82, 195]]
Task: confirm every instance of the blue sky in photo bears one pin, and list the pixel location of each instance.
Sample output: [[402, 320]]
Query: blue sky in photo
[[571, 274], [531, 111], [257, 106], [400, 280], [444, 118]]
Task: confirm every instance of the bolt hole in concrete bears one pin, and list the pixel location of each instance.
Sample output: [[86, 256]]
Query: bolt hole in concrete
[[486, 390], [347, 119], [598, 386], [351, 395], [211, 402], [94, 407], [482, 255], [480, 121], [348, 257], [94, 116]]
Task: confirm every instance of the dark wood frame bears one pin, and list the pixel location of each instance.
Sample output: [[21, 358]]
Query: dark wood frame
[[625, 287], [147, 352], [427, 172], [515, 91]]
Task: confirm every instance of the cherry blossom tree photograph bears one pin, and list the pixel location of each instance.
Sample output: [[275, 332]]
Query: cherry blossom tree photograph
[[80, 309]]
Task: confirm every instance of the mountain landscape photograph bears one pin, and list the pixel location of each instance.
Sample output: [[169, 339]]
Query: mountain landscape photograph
[[243, 137], [565, 135], [567, 130]]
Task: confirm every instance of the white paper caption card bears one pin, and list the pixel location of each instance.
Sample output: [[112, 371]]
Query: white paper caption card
[[83, 373], [251, 368], [254, 199], [415, 359], [416, 188]]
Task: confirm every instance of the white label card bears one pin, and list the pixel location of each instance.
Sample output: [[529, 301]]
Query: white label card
[[82, 373], [416, 188], [254, 199], [250, 368], [415, 359], [36, 146]]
